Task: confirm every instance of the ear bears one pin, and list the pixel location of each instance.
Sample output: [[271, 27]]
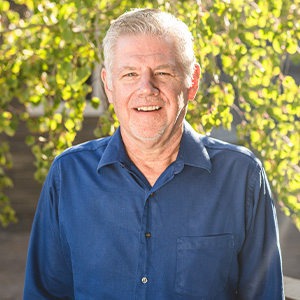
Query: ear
[[105, 82], [195, 83]]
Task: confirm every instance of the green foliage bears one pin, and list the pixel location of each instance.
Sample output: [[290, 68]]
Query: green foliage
[[48, 49], [244, 49], [7, 214]]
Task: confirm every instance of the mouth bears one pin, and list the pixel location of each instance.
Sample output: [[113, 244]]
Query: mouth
[[148, 108]]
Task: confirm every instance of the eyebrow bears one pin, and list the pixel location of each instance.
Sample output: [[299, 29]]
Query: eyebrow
[[160, 67], [126, 68], [164, 66]]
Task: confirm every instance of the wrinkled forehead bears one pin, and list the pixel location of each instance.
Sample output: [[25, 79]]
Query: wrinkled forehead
[[130, 50]]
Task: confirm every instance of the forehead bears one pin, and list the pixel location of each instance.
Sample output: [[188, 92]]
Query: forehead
[[144, 48]]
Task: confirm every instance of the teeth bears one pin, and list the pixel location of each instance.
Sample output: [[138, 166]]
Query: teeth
[[148, 108]]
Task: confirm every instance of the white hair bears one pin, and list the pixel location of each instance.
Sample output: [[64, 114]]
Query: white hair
[[151, 22]]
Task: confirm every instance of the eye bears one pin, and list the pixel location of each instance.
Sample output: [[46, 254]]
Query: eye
[[130, 74], [163, 74]]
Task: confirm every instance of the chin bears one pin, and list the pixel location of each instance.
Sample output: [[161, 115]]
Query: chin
[[147, 137]]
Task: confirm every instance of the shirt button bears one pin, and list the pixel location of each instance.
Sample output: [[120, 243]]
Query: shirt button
[[144, 280], [152, 194], [148, 234]]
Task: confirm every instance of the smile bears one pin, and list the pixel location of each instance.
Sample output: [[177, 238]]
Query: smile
[[148, 108]]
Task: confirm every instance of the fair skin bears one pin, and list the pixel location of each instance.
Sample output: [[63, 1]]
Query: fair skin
[[150, 100]]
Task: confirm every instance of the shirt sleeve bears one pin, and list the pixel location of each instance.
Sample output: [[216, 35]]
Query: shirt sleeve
[[260, 258], [48, 273]]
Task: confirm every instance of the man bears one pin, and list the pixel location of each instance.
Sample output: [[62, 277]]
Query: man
[[157, 211]]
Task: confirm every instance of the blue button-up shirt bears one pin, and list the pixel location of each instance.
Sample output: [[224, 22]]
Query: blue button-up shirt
[[206, 229]]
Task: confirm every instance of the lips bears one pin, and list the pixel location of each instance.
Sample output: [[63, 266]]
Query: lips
[[148, 108]]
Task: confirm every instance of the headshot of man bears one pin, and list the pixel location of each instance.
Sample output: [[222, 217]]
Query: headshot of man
[[156, 211]]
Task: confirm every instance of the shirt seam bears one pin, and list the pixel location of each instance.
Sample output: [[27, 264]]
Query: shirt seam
[[250, 198], [75, 151], [58, 182], [249, 155]]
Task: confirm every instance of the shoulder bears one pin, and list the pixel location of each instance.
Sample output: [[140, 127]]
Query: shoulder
[[220, 154], [93, 147], [227, 151]]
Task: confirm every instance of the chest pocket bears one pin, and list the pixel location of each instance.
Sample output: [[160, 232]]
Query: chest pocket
[[203, 265]]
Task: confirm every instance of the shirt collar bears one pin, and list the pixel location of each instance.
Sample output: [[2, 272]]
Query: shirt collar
[[192, 151], [114, 152]]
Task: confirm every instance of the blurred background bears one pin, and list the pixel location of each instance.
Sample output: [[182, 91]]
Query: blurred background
[[51, 97]]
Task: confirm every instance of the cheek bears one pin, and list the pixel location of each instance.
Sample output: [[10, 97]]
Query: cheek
[[122, 93], [120, 104]]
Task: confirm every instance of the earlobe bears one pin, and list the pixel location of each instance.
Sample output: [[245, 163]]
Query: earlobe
[[108, 91], [195, 83]]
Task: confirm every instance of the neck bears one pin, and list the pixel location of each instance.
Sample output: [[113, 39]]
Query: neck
[[153, 157]]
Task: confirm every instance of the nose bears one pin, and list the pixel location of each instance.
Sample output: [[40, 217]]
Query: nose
[[148, 86]]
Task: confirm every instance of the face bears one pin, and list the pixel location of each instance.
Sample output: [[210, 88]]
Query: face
[[148, 91]]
